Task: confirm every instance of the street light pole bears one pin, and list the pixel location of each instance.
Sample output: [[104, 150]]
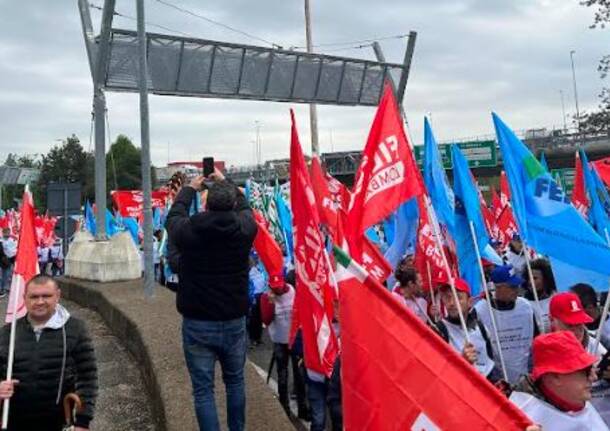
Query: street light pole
[[575, 89], [313, 112], [563, 110]]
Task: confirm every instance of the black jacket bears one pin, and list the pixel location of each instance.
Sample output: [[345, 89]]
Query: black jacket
[[214, 248], [38, 367]]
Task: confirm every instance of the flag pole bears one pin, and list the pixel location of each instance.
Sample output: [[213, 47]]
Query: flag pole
[[432, 220], [598, 335], [488, 298], [11, 346], [526, 252], [432, 295]]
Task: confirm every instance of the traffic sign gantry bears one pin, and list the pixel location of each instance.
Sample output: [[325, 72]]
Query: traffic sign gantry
[[478, 154]]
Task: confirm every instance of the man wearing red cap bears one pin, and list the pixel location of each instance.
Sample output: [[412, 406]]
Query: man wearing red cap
[[568, 314], [556, 395], [478, 351]]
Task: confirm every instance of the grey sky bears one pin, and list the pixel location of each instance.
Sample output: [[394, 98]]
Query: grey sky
[[472, 56]]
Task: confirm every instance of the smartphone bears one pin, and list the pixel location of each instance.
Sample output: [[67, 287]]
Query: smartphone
[[208, 166]]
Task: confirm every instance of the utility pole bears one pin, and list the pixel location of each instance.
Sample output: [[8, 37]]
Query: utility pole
[[149, 273], [313, 111], [257, 150], [563, 110], [575, 89]]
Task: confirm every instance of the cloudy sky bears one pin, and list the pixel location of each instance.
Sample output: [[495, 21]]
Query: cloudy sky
[[471, 57]]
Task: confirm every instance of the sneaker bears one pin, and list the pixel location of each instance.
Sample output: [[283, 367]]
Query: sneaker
[[2, 294]]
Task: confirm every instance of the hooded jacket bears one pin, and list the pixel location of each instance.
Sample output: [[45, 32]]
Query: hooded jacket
[[214, 248], [50, 363]]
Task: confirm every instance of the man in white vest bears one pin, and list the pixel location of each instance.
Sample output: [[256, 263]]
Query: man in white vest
[[568, 314], [478, 351], [556, 395], [276, 312], [515, 322]]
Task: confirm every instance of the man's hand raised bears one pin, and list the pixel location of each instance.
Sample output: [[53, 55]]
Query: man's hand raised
[[197, 182]]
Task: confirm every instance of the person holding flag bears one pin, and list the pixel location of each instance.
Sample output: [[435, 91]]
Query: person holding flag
[[544, 283], [409, 291], [478, 351], [515, 322], [557, 393]]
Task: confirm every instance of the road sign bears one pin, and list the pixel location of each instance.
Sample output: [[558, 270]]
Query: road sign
[[565, 178], [478, 153]]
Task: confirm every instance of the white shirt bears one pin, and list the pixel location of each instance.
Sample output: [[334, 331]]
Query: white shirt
[[552, 419], [418, 306], [9, 245]]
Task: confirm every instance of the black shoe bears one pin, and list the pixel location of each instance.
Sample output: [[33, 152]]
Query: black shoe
[[2, 293], [303, 413]]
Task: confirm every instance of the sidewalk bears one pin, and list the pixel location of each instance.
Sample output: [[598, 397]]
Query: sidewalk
[[150, 329]]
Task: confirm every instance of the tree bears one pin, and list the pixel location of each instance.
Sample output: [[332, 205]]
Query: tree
[[68, 163], [124, 165], [599, 120], [12, 193]]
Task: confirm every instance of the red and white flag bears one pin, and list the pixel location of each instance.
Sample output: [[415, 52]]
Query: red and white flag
[[387, 175], [313, 304], [26, 261], [327, 203], [397, 374], [579, 194], [269, 251]]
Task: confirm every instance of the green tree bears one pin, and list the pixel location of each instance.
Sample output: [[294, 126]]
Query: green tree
[[599, 120], [124, 165], [68, 163], [12, 193]]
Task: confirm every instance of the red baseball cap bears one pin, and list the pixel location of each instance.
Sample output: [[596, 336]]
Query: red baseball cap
[[567, 307], [276, 282], [559, 353], [460, 285]]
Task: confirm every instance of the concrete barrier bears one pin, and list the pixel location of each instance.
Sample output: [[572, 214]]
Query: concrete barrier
[[150, 330]]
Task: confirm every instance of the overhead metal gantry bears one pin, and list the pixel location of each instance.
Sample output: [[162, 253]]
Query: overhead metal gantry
[[130, 61]]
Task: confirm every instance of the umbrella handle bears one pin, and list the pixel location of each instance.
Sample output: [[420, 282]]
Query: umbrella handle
[[78, 406]]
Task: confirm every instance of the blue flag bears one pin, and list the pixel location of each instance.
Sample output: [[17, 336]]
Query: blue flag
[[435, 179], [90, 219], [405, 235], [467, 210], [112, 227], [131, 225], [389, 228], [543, 161], [598, 198], [547, 220], [285, 218]]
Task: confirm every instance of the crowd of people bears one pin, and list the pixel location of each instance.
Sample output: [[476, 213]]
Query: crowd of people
[[540, 347]]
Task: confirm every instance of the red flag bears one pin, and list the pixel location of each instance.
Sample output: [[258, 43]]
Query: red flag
[[504, 189], [374, 262], [579, 194], [26, 261], [496, 203], [397, 374], [130, 202], [269, 252], [387, 175], [327, 204], [427, 252], [603, 169], [313, 302]]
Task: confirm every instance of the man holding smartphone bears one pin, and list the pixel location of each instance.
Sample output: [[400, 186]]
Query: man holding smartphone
[[212, 296]]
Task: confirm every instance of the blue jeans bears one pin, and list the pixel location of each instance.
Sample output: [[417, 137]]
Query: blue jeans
[[205, 342], [7, 276]]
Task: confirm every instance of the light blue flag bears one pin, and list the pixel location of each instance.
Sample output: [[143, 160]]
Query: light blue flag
[[90, 219], [285, 218], [157, 219], [405, 235], [547, 220], [567, 276], [543, 161], [436, 181], [112, 227], [467, 210], [389, 228], [598, 217], [131, 225]]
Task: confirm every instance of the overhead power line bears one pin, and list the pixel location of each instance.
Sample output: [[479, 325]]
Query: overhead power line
[[218, 23], [148, 23], [353, 42]]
